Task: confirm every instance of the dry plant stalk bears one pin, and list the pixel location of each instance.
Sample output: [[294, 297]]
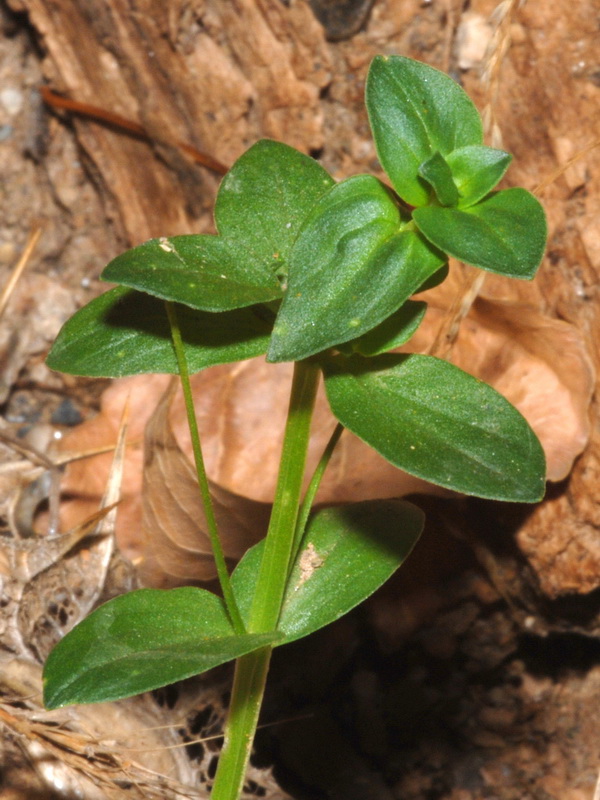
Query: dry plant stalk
[[19, 267]]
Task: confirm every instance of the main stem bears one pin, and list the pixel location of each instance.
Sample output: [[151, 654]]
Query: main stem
[[251, 670]]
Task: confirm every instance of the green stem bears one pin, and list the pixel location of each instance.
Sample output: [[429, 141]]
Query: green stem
[[213, 533], [251, 670], [277, 554], [313, 488]]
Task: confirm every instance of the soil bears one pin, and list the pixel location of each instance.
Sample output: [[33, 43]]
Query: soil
[[475, 672]]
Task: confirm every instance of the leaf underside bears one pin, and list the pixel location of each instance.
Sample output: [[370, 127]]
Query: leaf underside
[[124, 332]]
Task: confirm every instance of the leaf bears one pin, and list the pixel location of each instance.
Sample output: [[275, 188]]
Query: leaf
[[140, 641], [439, 423], [350, 268], [124, 332], [204, 272], [476, 170], [505, 233], [414, 112], [177, 547], [347, 553], [438, 174], [439, 276], [393, 332], [262, 202], [265, 197]]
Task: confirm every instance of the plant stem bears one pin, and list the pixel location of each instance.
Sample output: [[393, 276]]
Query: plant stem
[[277, 554], [313, 488], [213, 533], [251, 670]]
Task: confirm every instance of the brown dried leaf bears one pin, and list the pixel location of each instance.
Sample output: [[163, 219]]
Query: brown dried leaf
[[177, 546]]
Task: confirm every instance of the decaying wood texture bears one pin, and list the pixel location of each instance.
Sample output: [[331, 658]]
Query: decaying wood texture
[[222, 74]]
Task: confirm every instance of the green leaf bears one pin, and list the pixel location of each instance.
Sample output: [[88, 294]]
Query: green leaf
[[435, 421], [204, 272], [439, 276], [476, 170], [262, 202], [350, 268], [140, 641], [415, 111], [393, 332], [505, 233], [124, 332], [347, 553], [437, 173], [265, 197]]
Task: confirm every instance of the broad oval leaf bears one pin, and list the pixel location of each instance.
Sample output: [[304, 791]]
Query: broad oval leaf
[[505, 233], [350, 268], [439, 423], [265, 197], [140, 641], [476, 171], [347, 553], [204, 272], [124, 332], [414, 111]]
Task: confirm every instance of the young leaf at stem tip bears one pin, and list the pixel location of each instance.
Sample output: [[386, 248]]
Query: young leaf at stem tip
[[505, 233], [415, 111]]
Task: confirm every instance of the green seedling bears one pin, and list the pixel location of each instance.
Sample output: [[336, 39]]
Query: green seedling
[[319, 273]]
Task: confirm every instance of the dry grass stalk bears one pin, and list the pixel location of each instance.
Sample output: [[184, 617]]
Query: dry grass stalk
[[18, 268]]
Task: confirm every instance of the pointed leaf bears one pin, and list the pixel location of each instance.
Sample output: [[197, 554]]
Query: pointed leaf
[[476, 171], [140, 641], [414, 111], [347, 553], [505, 233], [124, 332], [265, 197], [393, 332], [435, 421], [350, 268], [437, 173], [204, 272]]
